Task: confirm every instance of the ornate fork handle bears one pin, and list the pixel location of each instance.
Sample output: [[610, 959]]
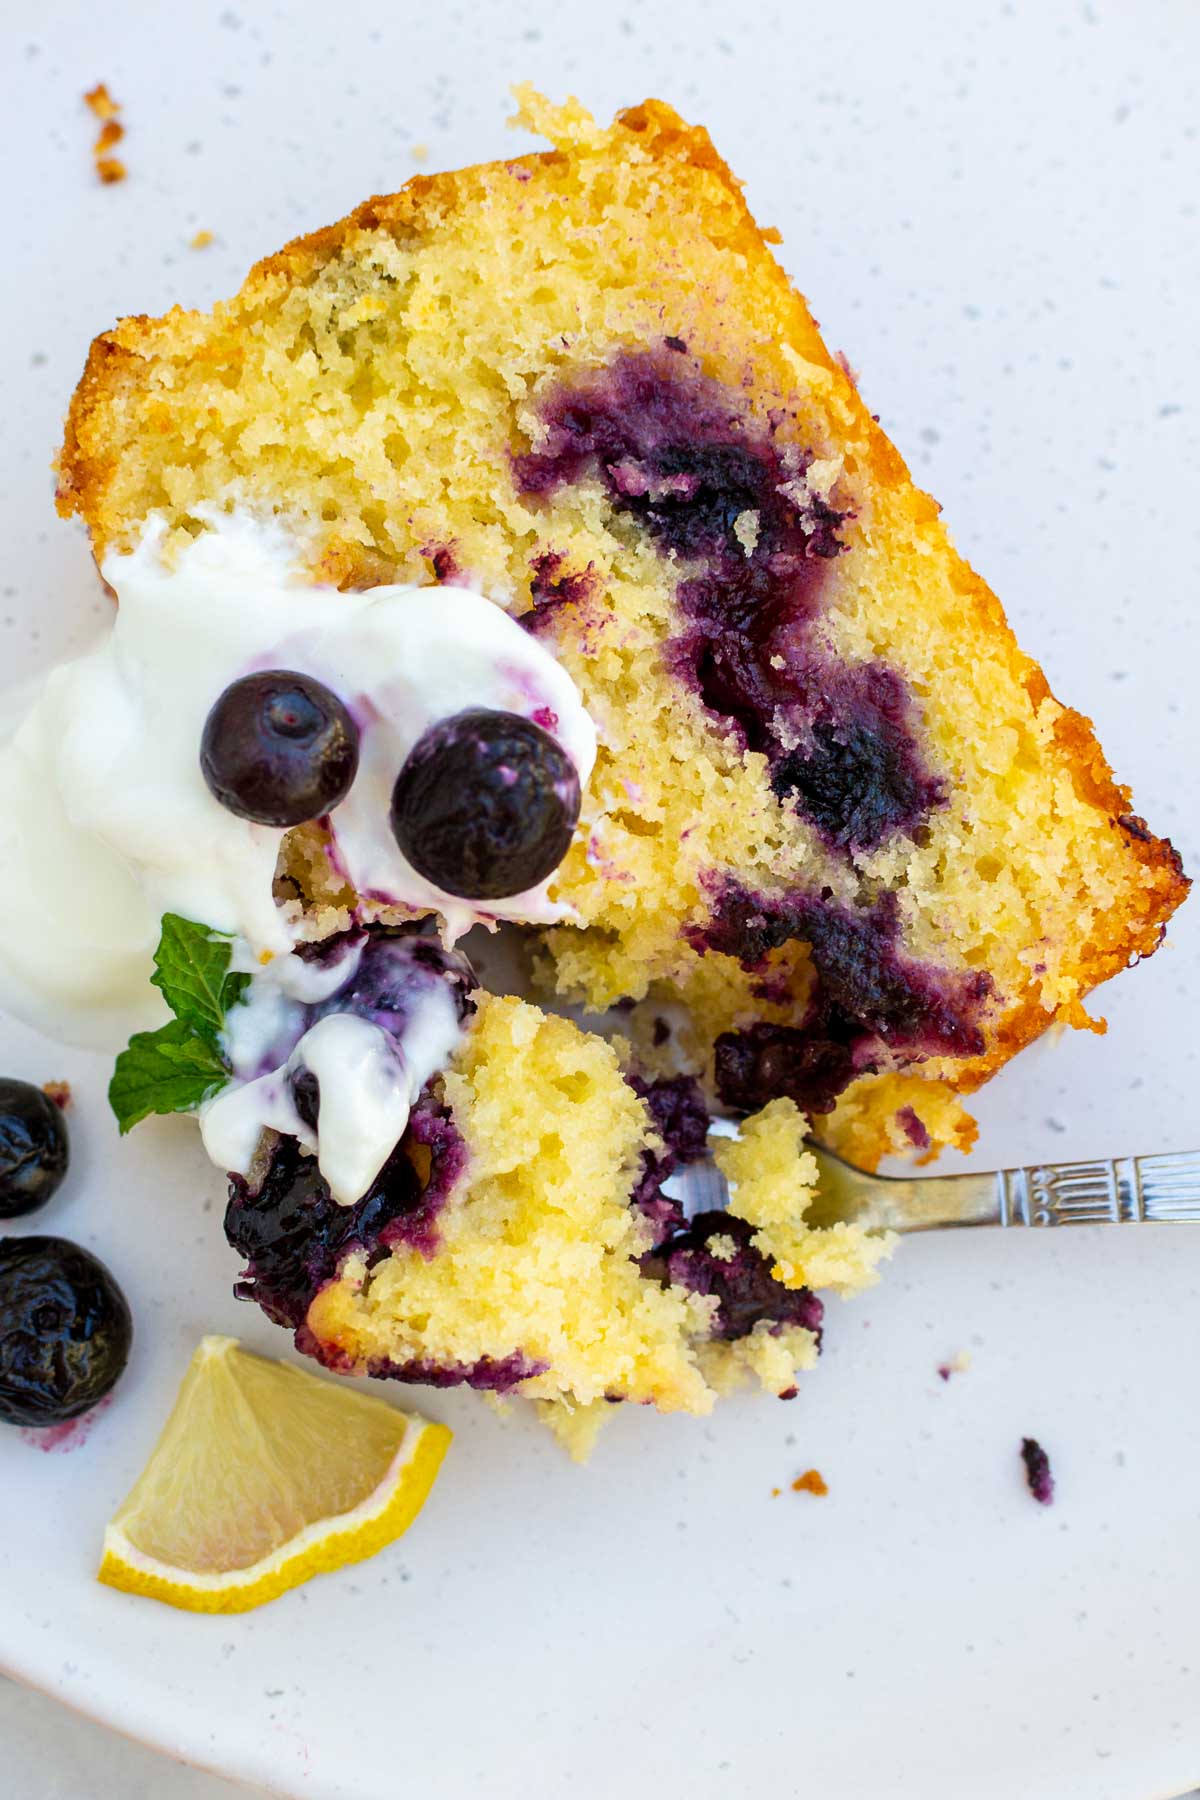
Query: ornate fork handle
[[1128, 1190], [1131, 1190]]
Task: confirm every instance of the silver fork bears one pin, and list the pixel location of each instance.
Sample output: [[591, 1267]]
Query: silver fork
[[1130, 1190]]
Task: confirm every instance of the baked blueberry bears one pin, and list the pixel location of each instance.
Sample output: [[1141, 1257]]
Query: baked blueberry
[[33, 1148], [279, 748], [738, 1278], [293, 1234], [65, 1330], [486, 804]]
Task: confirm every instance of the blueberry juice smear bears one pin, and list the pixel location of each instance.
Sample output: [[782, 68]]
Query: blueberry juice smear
[[285, 1221], [34, 1151], [868, 1005], [294, 1236], [676, 1106], [491, 1374], [279, 748], [713, 1255], [394, 967], [65, 1331], [731, 499]]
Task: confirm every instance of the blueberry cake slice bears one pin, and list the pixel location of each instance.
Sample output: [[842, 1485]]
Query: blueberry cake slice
[[836, 812], [553, 440]]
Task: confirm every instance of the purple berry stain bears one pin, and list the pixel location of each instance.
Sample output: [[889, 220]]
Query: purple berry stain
[[914, 1128], [292, 1233], [496, 1374], [680, 1118], [730, 499], [746, 1292], [855, 774], [554, 589], [294, 1236], [395, 968], [1037, 1471], [868, 1001]]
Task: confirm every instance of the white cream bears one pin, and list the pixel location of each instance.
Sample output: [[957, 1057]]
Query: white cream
[[79, 932], [232, 1122], [106, 821], [261, 1031], [367, 1088], [368, 1083], [367, 1075]]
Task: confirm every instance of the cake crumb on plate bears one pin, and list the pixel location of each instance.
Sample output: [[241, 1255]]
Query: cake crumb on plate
[[1037, 1471], [811, 1482], [108, 168], [101, 102]]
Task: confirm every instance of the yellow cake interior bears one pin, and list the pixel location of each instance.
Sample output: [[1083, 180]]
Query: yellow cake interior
[[538, 1253]]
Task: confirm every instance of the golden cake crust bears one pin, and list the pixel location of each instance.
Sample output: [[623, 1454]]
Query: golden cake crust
[[125, 397]]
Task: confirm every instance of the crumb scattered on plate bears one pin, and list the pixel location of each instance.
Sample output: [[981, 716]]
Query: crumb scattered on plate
[[59, 1092], [811, 1482], [1037, 1471], [201, 241], [102, 102], [109, 168], [420, 153], [958, 1364]]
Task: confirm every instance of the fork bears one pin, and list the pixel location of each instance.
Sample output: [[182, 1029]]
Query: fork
[[1129, 1190]]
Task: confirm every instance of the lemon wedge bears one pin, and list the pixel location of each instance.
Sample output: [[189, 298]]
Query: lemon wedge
[[263, 1476]]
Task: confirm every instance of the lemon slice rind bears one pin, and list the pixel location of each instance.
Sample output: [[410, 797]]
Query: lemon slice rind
[[326, 1544]]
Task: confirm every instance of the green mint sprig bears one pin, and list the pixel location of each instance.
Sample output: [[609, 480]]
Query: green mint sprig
[[176, 1067]]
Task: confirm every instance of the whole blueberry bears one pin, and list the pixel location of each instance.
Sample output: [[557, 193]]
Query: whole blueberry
[[279, 748], [33, 1148], [65, 1330], [486, 804]]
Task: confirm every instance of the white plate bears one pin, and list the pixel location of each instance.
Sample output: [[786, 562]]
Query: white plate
[[994, 211]]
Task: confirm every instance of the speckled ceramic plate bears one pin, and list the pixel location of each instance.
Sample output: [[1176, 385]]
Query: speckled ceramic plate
[[993, 209]]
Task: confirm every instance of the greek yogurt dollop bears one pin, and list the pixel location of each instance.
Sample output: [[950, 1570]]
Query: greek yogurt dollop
[[106, 822], [334, 1052]]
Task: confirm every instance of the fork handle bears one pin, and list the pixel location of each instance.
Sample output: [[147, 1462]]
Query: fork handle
[[1129, 1190]]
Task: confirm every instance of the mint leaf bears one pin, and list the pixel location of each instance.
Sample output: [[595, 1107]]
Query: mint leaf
[[191, 968], [175, 1068], [164, 1071]]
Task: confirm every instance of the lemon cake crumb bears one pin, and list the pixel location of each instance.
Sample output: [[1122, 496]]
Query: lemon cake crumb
[[772, 1181]]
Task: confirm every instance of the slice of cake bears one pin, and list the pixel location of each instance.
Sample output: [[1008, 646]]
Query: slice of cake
[[836, 813], [529, 503]]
